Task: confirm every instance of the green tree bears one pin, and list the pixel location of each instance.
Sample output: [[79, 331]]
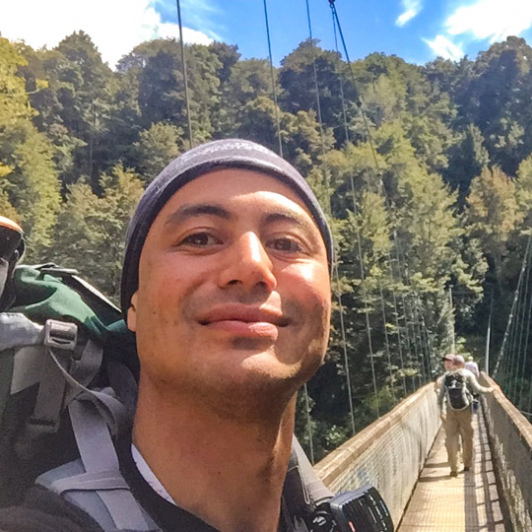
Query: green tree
[[29, 188], [156, 147], [84, 92], [467, 158], [297, 79], [493, 212], [90, 232]]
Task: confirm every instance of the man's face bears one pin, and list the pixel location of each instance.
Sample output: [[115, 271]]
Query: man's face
[[234, 289], [448, 364]]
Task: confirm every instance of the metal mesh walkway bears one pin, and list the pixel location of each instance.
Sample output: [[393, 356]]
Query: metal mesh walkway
[[470, 502]]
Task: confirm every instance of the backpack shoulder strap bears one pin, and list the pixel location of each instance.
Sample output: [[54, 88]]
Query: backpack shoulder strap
[[94, 482], [304, 492]]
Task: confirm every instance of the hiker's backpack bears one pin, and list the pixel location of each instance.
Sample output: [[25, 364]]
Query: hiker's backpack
[[68, 374], [456, 390], [64, 350]]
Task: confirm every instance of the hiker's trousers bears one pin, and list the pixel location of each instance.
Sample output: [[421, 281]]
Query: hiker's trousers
[[459, 423]]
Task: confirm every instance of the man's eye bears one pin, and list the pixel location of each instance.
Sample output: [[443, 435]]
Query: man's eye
[[200, 240], [285, 244]]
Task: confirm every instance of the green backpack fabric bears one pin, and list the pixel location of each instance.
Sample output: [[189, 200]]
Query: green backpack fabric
[[53, 301]]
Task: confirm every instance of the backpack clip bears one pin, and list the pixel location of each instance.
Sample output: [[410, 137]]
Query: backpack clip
[[60, 334]]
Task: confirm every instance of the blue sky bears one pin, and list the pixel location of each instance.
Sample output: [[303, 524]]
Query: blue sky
[[416, 30]]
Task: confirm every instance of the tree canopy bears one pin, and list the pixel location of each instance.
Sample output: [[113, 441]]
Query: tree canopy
[[425, 173]]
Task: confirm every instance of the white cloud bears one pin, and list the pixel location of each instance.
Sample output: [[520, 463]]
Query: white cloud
[[491, 19], [411, 9], [115, 27], [445, 48]]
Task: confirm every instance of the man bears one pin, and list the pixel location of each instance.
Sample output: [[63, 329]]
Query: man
[[448, 361], [226, 286], [456, 397], [472, 366]]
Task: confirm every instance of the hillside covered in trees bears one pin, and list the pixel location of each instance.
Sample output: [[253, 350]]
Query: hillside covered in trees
[[425, 172]]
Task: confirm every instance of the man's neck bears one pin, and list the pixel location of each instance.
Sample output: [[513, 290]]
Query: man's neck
[[228, 472]]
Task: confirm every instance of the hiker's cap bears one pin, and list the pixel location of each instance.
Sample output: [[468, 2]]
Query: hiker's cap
[[230, 153], [449, 358], [459, 360]]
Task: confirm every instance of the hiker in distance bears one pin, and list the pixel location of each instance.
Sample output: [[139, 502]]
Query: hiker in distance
[[448, 363], [226, 286], [455, 400]]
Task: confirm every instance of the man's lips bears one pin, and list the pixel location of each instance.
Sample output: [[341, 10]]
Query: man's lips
[[245, 320]]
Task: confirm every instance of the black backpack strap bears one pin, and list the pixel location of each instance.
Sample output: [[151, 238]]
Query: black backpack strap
[[304, 492]]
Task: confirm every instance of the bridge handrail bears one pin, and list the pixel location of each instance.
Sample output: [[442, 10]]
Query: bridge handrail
[[510, 436], [389, 454]]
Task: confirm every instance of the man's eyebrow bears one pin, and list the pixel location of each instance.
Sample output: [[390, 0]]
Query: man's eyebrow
[[198, 209], [288, 216]]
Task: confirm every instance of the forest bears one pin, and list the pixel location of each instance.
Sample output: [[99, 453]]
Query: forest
[[425, 172]]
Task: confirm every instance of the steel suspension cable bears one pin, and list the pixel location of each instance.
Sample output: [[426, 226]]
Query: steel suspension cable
[[522, 358], [326, 184], [410, 343], [365, 302], [399, 339], [342, 97], [525, 350], [344, 347], [365, 121], [346, 130], [530, 378], [184, 71], [274, 88], [512, 311], [386, 343], [316, 86], [513, 340], [512, 350]]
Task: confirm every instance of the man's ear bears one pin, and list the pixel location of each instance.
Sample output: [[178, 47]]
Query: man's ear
[[132, 313]]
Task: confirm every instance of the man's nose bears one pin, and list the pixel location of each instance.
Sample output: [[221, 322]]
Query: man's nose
[[247, 262]]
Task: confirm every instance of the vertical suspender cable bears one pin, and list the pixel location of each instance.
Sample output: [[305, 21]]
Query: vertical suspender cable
[[279, 138], [512, 312], [525, 350], [184, 70], [513, 343], [342, 98], [316, 86], [488, 338], [346, 129], [524, 322], [318, 106], [386, 343], [346, 358], [365, 302], [513, 340], [451, 311], [368, 329], [274, 89], [366, 127], [398, 328]]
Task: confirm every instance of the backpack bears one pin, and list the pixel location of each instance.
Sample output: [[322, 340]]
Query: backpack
[[68, 381], [456, 390]]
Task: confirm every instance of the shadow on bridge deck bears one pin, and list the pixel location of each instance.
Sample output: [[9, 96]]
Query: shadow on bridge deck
[[470, 502]]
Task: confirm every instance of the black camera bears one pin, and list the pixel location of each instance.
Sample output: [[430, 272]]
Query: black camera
[[362, 510]]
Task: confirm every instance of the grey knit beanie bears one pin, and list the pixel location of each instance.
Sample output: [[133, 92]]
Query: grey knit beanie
[[230, 153]]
